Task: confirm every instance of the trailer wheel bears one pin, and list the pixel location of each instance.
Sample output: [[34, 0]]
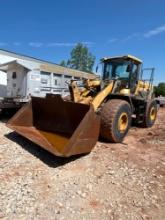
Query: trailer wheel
[[115, 120]]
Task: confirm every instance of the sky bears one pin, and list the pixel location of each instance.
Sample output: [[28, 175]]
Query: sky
[[50, 29]]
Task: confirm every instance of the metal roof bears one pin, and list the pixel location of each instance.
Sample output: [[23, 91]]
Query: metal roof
[[66, 71], [48, 65], [4, 66], [123, 57], [49, 68]]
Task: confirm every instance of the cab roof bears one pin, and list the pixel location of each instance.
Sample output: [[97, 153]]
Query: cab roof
[[125, 57]]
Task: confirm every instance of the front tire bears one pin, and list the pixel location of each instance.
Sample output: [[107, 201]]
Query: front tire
[[115, 120]]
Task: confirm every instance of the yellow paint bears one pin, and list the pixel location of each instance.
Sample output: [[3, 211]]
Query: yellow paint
[[58, 141], [123, 122], [123, 57], [75, 92], [134, 58], [125, 91], [85, 92], [81, 95], [102, 95], [89, 83], [153, 113], [143, 86]]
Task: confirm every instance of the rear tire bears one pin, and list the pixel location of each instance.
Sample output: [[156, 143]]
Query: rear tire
[[150, 114], [115, 120]]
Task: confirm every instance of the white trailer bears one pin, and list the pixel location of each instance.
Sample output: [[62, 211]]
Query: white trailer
[[28, 77]]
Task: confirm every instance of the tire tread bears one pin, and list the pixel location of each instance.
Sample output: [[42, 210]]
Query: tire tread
[[108, 114]]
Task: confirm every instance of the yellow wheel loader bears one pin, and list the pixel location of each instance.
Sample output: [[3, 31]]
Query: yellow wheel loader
[[103, 106]]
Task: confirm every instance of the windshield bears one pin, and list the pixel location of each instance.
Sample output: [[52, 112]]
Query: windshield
[[116, 69]]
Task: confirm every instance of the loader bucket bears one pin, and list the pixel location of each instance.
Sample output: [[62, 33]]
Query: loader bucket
[[63, 128]]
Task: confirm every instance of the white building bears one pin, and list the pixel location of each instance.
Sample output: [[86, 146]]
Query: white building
[[23, 76]]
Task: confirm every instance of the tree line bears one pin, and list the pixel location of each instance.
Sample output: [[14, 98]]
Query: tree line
[[160, 89]]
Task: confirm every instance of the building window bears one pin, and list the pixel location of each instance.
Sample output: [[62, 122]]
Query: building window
[[57, 75], [45, 78], [77, 78], [55, 82], [44, 81], [67, 76], [57, 79], [14, 75], [45, 73]]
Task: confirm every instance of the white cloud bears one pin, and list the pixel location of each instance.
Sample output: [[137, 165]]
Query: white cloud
[[113, 40], [36, 44], [52, 44], [60, 44], [68, 44], [131, 36], [148, 34], [89, 43], [155, 31]]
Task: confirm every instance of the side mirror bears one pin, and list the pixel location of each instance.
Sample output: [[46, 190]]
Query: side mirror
[[129, 68]]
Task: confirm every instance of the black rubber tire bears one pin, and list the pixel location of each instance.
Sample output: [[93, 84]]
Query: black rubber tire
[[110, 114], [147, 120]]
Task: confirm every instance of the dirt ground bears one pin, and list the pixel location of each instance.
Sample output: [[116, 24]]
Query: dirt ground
[[114, 182]]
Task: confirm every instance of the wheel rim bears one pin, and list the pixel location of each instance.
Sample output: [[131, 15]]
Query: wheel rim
[[123, 122], [152, 114]]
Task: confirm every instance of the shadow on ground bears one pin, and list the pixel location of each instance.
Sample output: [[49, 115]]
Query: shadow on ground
[[6, 114], [46, 157]]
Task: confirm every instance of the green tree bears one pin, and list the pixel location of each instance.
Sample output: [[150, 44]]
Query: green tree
[[160, 89], [81, 58], [63, 63]]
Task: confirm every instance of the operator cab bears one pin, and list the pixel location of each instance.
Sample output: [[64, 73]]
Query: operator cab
[[125, 70]]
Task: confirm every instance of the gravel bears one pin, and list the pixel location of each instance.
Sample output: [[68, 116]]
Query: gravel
[[114, 182]]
